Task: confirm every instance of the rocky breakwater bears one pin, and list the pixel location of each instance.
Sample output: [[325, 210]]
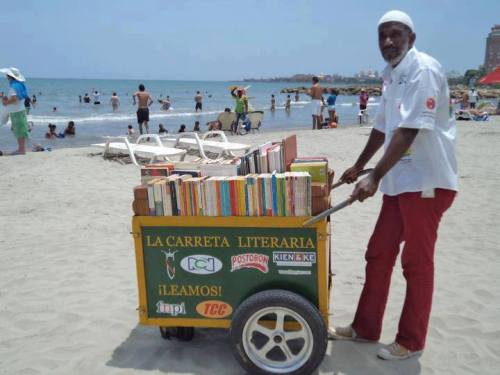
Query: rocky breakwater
[[485, 92], [456, 92], [351, 90]]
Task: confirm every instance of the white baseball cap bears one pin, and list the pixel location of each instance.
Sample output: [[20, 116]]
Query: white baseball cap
[[14, 73], [397, 16]]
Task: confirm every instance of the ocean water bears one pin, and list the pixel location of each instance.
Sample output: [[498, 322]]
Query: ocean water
[[94, 121]]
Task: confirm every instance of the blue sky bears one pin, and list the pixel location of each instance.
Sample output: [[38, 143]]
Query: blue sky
[[225, 40]]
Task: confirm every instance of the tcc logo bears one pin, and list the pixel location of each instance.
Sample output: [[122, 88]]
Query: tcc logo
[[201, 264]]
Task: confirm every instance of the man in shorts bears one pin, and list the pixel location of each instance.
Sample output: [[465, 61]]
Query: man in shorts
[[316, 94], [14, 106], [144, 100], [198, 98]]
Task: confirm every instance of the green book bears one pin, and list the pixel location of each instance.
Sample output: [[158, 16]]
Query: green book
[[317, 170]]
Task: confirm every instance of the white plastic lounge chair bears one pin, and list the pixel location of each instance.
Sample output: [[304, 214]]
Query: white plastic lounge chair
[[155, 152], [208, 143]]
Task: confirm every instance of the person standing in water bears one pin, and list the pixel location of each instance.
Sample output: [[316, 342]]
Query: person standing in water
[[97, 97], [144, 101], [288, 103], [273, 103], [14, 105], [198, 100], [115, 101]]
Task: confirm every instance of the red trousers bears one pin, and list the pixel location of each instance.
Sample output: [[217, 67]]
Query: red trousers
[[410, 218]]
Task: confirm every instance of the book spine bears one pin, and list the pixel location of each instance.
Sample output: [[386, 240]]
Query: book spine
[[151, 200], [232, 197], [247, 197], [227, 200], [218, 197], [164, 199], [158, 199], [173, 198], [274, 188]]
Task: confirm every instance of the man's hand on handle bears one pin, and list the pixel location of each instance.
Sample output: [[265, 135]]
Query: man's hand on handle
[[365, 188], [351, 174]]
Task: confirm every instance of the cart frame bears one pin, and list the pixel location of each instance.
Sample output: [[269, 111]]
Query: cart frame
[[322, 247]]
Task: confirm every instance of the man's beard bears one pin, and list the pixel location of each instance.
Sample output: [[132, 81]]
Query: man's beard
[[396, 60]]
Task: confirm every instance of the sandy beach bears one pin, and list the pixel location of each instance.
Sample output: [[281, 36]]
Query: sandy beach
[[68, 287]]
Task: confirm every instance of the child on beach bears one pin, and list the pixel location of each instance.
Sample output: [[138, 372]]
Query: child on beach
[[130, 131], [182, 129]]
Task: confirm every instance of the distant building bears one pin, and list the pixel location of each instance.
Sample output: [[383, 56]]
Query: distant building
[[369, 73], [492, 54]]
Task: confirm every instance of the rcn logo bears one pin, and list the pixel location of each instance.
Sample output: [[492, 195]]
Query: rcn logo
[[201, 264]]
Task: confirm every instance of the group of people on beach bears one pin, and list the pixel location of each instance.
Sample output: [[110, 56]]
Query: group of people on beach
[[69, 131]]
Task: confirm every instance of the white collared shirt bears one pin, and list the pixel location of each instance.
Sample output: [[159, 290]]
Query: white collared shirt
[[415, 95]]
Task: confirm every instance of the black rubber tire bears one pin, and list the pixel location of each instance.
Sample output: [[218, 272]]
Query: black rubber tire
[[185, 333], [279, 298]]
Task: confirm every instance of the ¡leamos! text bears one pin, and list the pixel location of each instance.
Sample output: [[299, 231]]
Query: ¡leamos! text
[[250, 260], [189, 290]]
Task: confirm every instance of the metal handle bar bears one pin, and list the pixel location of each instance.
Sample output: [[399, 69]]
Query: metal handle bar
[[337, 207]]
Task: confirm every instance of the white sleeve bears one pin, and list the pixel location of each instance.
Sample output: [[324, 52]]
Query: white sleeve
[[419, 104], [379, 122]]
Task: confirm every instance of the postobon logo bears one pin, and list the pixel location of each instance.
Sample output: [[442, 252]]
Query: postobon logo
[[201, 264], [214, 309], [250, 260]]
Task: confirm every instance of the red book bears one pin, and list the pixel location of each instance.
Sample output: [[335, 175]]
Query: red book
[[290, 150]]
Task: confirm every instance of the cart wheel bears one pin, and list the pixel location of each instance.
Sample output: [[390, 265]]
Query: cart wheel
[[263, 344], [181, 333], [185, 333]]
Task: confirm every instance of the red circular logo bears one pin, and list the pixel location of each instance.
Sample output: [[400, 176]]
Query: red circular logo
[[430, 103]]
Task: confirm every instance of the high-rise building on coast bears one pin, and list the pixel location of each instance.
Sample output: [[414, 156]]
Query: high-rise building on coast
[[492, 53]]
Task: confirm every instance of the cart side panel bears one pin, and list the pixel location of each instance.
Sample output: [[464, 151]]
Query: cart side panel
[[194, 272]]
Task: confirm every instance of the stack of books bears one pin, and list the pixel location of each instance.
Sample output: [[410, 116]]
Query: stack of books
[[321, 177], [270, 157], [266, 194]]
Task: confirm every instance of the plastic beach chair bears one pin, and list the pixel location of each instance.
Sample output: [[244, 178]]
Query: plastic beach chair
[[154, 151], [251, 123], [227, 119], [214, 141]]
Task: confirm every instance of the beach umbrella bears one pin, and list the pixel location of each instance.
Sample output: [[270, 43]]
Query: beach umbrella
[[491, 78]]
